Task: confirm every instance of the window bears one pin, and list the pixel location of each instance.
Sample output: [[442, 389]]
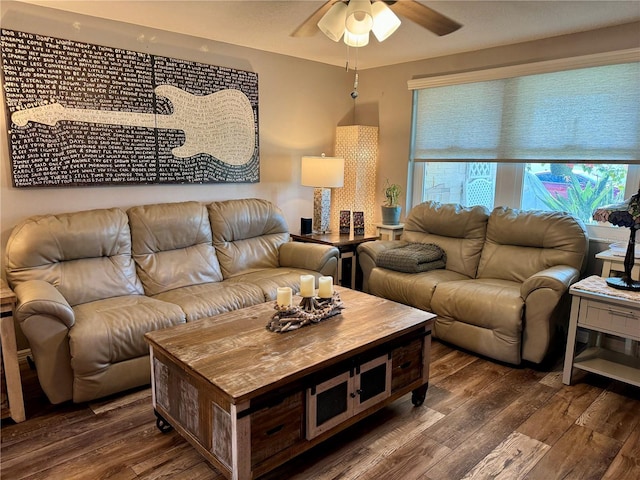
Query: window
[[530, 137]]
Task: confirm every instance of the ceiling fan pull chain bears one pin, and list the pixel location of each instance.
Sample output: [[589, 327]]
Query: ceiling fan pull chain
[[356, 60], [354, 92], [348, 52]]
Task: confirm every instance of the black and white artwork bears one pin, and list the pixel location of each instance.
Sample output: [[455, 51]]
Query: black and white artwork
[[82, 114]]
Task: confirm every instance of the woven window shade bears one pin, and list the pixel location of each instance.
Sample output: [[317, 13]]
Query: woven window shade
[[588, 115]]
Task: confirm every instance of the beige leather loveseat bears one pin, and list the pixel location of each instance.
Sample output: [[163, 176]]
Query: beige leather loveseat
[[90, 284], [503, 292]]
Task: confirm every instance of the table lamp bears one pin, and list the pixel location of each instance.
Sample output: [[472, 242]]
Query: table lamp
[[323, 173], [625, 214]]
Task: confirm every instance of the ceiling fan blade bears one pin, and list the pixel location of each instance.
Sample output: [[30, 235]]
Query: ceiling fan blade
[[309, 27], [425, 17]]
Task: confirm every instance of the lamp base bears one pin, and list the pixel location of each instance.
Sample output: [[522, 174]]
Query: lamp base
[[321, 209], [626, 282], [621, 284]]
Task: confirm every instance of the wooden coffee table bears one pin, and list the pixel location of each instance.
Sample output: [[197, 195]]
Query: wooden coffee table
[[249, 399]]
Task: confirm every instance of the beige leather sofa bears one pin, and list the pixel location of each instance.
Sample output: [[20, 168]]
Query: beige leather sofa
[[504, 290], [91, 283]]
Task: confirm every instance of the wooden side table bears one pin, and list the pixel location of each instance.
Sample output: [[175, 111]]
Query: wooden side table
[[389, 232], [10, 366], [597, 307], [347, 245], [613, 266]]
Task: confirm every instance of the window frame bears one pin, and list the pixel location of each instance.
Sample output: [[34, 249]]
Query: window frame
[[509, 175]]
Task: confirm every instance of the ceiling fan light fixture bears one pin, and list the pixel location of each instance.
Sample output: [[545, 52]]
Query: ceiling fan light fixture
[[359, 17], [356, 40], [385, 22], [332, 24]]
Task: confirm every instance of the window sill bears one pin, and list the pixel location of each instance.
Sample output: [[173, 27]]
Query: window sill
[[607, 233]]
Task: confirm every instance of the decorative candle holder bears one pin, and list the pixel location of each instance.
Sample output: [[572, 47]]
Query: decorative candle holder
[[311, 310], [309, 304]]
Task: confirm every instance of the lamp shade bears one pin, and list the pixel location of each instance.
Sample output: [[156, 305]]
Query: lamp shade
[[625, 214], [385, 22], [325, 172], [332, 23], [355, 40], [359, 18], [356, 18]]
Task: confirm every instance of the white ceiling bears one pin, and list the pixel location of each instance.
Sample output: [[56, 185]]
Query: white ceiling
[[266, 25]]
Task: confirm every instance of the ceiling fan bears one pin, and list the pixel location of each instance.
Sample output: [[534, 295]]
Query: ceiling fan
[[410, 9]]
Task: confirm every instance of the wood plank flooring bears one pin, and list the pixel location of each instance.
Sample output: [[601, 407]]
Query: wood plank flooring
[[481, 420]]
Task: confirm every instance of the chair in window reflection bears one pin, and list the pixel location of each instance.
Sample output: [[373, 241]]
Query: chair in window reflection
[[479, 192], [479, 189]]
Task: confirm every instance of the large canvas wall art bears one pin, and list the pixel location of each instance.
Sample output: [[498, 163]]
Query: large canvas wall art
[[82, 114]]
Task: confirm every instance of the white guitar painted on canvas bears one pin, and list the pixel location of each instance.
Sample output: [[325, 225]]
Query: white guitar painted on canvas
[[220, 124]]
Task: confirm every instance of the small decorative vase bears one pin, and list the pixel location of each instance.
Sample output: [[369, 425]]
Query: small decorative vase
[[391, 215]]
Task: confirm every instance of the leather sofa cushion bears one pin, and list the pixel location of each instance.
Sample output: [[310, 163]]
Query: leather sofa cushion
[[415, 289], [172, 246], [247, 234], [117, 378], [459, 231], [73, 250], [270, 279], [495, 307], [521, 243], [208, 299], [111, 331]]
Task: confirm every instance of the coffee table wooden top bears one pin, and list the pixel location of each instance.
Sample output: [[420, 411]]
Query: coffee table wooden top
[[242, 359]]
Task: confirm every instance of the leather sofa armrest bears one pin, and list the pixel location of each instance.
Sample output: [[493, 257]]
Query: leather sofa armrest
[[310, 256], [45, 318], [546, 309], [368, 255], [37, 297], [557, 278]]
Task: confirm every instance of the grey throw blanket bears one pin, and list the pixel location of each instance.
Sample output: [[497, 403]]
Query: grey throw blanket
[[413, 258]]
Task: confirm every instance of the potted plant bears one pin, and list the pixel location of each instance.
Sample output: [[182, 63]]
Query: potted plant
[[390, 209]]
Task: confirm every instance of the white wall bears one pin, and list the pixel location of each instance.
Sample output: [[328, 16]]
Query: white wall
[[300, 104]]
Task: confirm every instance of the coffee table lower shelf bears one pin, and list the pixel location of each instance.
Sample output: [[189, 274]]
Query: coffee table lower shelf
[[248, 439]]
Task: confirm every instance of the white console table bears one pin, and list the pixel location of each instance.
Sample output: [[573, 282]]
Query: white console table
[[389, 232], [615, 263], [597, 307]]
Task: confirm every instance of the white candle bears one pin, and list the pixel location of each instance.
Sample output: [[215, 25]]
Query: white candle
[[325, 287], [307, 285], [285, 297]]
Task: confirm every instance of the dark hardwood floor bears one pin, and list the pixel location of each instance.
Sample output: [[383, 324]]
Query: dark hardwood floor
[[480, 420]]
